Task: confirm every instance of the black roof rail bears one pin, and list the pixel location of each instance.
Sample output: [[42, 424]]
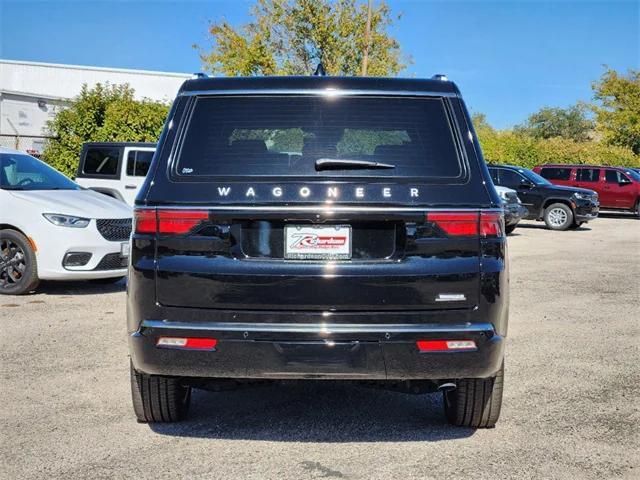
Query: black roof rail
[[199, 75], [440, 76]]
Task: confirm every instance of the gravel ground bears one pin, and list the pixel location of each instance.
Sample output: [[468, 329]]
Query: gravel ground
[[570, 407]]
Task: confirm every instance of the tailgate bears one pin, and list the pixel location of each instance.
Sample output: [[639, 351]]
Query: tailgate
[[399, 259]]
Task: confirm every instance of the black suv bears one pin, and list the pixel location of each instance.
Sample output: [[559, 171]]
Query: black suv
[[560, 207], [318, 228]]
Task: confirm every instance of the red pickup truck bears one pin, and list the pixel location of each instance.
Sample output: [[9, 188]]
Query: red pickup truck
[[618, 187]]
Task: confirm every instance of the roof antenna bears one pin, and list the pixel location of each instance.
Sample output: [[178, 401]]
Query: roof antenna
[[320, 71]]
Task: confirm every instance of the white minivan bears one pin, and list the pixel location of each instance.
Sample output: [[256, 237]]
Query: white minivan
[[53, 229], [116, 169]]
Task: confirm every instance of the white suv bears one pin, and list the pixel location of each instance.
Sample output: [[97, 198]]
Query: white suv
[[115, 169]]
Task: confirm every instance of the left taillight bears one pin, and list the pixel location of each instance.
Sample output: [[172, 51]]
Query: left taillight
[[168, 221]]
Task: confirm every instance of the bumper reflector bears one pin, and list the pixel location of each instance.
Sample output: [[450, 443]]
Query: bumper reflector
[[445, 345], [187, 343]]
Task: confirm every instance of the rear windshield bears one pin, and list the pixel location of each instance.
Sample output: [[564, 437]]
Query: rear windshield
[[287, 136]]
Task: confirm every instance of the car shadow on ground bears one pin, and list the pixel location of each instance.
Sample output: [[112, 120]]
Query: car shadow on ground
[[541, 226], [89, 287], [621, 215], [323, 411]]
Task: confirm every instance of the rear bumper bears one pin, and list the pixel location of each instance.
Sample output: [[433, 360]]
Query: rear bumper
[[331, 351]]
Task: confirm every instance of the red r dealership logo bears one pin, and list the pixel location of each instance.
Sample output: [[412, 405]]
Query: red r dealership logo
[[312, 240]]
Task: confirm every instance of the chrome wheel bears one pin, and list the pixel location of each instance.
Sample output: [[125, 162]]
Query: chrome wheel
[[557, 217], [13, 263]]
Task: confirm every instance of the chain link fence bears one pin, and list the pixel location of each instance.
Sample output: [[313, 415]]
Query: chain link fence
[[31, 144]]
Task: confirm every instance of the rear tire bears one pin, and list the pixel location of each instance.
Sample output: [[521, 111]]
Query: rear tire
[[509, 229], [18, 265], [558, 216], [475, 402], [576, 225], [637, 212], [158, 399]]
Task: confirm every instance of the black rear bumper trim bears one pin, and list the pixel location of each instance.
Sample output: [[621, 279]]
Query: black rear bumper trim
[[316, 328]]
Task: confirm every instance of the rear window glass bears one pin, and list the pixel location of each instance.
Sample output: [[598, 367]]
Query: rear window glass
[[556, 173], [286, 136], [102, 161], [588, 174], [138, 162]]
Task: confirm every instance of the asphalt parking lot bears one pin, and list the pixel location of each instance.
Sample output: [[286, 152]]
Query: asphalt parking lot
[[571, 407]]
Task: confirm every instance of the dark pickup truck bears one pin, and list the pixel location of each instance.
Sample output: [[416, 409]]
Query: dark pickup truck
[[318, 228]]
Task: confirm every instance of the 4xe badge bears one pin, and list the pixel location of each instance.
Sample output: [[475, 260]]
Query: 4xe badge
[[326, 242]]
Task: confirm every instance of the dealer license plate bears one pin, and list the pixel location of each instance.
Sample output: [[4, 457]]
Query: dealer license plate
[[317, 242]]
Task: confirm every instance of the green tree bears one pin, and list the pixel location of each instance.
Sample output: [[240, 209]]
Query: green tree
[[104, 113], [618, 108], [290, 37], [519, 148], [481, 124], [571, 123]]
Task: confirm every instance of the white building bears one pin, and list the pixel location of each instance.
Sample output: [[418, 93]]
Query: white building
[[32, 93]]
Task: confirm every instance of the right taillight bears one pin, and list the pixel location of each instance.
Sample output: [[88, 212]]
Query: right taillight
[[455, 223], [168, 221], [468, 224], [491, 224]]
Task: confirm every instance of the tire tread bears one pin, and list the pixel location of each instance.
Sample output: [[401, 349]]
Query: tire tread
[[157, 398], [475, 402]]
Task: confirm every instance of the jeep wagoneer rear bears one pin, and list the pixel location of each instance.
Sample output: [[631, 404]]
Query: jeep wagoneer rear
[[318, 228]]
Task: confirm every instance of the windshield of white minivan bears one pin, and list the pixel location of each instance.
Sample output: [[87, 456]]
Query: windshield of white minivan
[[24, 172], [320, 136]]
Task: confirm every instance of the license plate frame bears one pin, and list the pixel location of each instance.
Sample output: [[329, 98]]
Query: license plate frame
[[318, 242]]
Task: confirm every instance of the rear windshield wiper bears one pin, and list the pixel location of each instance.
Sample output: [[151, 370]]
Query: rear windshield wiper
[[345, 164]]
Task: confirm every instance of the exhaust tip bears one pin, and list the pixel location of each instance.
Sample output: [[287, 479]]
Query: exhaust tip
[[445, 387]]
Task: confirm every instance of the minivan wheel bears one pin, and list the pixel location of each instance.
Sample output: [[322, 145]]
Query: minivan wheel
[[18, 266], [475, 402], [638, 209], [558, 216], [158, 399]]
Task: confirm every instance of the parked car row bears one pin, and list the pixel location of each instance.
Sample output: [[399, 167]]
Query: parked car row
[[100, 227], [118, 169], [558, 206]]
